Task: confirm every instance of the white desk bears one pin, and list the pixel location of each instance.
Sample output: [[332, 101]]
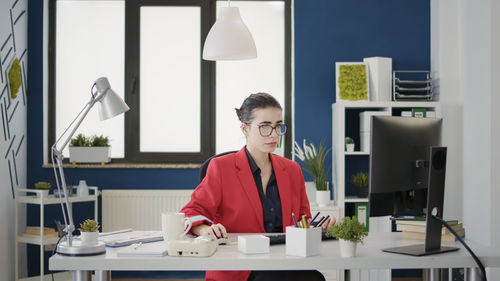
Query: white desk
[[369, 256]]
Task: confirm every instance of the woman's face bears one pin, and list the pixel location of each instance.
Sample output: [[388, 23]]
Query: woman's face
[[263, 116]]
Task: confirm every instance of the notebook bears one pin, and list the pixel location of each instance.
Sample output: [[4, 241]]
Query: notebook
[[143, 249]]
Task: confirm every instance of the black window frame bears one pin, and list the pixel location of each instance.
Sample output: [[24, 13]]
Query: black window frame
[[132, 94]]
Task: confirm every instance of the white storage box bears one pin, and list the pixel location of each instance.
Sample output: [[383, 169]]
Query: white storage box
[[365, 118], [303, 242], [253, 244], [380, 77]]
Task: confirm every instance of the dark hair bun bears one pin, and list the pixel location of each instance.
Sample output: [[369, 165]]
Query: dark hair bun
[[238, 113], [254, 101]]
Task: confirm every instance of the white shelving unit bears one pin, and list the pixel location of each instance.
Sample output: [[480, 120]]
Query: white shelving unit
[[25, 196], [344, 116], [340, 124]]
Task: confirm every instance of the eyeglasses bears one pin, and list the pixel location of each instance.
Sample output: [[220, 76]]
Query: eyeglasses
[[267, 130]]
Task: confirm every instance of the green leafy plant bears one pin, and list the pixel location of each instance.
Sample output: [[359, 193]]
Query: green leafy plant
[[348, 229], [99, 141], [315, 162], [352, 82], [79, 140], [348, 140], [89, 226], [43, 185], [82, 141], [15, 79], [360, 180]]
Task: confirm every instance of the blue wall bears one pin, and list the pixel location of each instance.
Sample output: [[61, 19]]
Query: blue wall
[[326, 31], [329, 31]]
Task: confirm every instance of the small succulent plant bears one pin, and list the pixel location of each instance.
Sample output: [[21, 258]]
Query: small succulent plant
[[89, 226]]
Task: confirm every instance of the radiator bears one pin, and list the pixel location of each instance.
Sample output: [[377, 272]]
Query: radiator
[[139, 209]]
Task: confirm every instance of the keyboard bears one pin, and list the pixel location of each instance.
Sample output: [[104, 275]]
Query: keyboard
[[280, 238]]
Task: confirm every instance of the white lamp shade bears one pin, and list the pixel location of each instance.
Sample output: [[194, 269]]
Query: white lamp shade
[[229, 38], [110, 104]]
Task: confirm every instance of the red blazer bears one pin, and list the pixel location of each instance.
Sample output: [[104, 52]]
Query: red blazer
[[228, 195]]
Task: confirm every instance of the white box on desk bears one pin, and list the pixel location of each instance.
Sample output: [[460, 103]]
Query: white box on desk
[[380, 70], [253, 244], [303, 242]]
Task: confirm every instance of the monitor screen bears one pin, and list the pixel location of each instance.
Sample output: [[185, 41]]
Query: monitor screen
[[399, 160]]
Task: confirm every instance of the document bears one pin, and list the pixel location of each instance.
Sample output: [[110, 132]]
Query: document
[[129, 237]]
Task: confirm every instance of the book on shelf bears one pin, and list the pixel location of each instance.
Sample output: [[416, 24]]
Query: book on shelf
[[48, 235], [420, 221], [418, 113], [35, 230], [421, 228], [421, 235]]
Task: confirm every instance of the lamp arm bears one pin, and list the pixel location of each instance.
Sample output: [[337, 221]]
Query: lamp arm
[[57, 155], [82, 116]]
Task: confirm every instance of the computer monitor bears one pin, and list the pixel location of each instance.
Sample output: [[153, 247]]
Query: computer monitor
[[407, 173]]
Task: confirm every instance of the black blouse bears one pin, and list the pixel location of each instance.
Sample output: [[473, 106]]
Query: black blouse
[[271, 204]]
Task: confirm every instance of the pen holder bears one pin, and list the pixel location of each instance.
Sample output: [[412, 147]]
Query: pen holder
[[303, 242]]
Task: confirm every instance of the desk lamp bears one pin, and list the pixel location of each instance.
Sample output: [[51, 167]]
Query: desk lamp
[[110, 105]]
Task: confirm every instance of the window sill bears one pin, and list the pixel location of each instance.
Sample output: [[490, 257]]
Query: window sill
[[128, 166]]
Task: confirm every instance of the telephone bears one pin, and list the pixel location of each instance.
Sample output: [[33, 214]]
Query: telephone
[[197, 247]]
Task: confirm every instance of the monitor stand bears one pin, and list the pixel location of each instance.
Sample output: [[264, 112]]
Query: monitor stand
[[435, 198]]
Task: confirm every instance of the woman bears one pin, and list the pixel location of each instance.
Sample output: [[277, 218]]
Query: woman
[[253, 190]]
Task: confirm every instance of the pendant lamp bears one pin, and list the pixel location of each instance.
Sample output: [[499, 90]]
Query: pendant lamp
[[229, 38]]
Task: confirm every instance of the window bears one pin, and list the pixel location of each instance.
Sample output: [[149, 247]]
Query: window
[[182, 107]]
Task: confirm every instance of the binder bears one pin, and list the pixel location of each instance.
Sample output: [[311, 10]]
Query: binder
[[361, 212]]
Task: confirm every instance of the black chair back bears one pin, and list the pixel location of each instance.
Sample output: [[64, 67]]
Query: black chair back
[[204, 166]]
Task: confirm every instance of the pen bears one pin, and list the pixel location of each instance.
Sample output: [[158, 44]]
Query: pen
[[320, 220], [294, 220], [324, 221], [315, 217], [304, 222]]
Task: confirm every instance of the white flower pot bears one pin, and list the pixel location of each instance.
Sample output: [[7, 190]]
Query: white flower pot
[[347, 248], [311, 192], [349, 147], [89, 238], [101, 154], [323, 197], [44, 192]]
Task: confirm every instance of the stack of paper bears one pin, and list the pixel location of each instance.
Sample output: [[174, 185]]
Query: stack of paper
[[129, 237]]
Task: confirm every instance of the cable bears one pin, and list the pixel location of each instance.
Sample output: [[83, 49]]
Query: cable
[[54, 252], [476, 259]]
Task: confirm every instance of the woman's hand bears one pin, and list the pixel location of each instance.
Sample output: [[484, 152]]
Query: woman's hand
[[328, 223], [217, 230]]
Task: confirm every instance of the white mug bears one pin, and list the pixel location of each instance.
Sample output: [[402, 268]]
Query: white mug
[[172, 226]]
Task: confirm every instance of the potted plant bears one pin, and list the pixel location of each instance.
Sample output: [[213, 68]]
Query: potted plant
[[349, 144], [95, 149], [360, 180], [44, 187], [89, 232], [315, 166], [349, 232]]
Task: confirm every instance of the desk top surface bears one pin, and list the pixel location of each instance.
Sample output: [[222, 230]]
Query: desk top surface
[[368, 256]]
